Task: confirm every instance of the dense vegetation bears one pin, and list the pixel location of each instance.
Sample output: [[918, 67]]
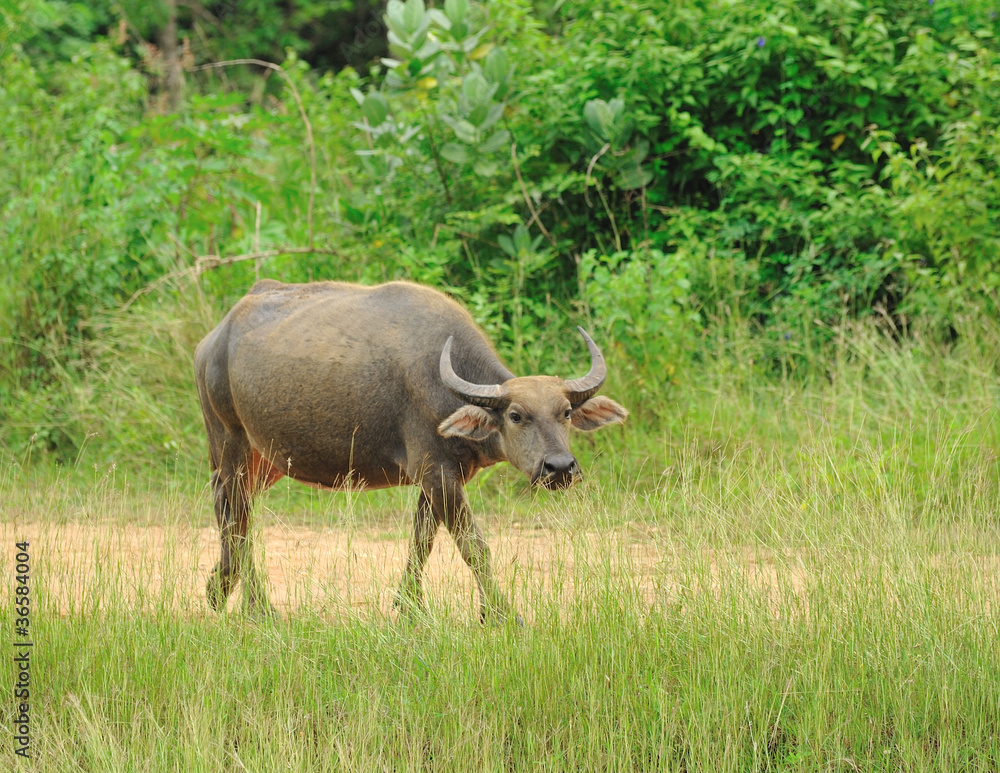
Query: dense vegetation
[[673, 175]]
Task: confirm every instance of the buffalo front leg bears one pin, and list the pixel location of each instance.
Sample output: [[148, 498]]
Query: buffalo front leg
[[457, 517], [410, 598], [232, 511]]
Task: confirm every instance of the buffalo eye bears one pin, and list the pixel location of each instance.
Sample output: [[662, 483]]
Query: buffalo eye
[[515, 417], [569, 413]]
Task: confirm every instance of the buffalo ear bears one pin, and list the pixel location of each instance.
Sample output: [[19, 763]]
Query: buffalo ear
[[470, 422], [597, 412]]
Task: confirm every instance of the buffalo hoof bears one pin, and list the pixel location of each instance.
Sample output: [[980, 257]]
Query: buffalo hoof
[[218, 590], [256, 605], [263, 612], [500, 617], [410, 607]]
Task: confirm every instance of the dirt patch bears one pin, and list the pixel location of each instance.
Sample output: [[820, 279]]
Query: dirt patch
[[80, 567], [87, 565]]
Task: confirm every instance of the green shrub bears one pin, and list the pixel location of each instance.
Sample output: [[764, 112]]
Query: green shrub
[[642, 303], [943, 208]]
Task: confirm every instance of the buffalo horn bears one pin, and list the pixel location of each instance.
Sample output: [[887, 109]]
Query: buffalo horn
[[582, 389], [485, 396]]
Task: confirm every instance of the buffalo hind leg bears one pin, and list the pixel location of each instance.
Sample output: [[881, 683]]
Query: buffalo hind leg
[[222, 577], [232, 511], [410, 597]]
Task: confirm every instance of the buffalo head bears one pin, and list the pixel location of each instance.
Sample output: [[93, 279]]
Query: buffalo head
[[531, 416]]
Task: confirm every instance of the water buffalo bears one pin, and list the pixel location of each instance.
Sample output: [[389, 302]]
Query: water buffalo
[[343, 386]]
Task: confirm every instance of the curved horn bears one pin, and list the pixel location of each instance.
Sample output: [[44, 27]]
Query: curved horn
[[582, 389], [477, 394]]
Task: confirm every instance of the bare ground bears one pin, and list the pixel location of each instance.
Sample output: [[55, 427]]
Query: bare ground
[[80, 566], [355, 571]]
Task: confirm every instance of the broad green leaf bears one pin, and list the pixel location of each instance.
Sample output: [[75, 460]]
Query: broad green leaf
[[478, 115], [464, 130], [455, 153], [394, 14], [413, 15], [507, 245], [697, 138], [471, 43], [456, 10], [484, 167], [599, 118], [494, 142], [476, 89], [495, 114], [398, 48], [522, 240], [375, 109], [439, 19], [495, 66], [632, 177], [430, 49]]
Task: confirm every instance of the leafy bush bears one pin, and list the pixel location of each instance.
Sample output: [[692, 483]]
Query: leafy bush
[[642, 302], [67, 222], [101, 200], [944, 212]]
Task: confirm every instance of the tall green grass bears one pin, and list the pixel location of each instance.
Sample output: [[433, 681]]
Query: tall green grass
[[761, 573], [882, 658]]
